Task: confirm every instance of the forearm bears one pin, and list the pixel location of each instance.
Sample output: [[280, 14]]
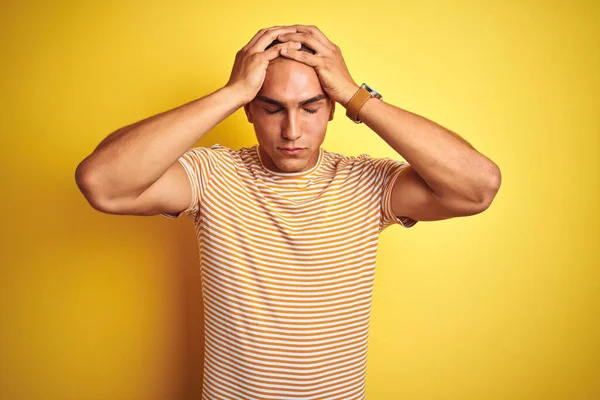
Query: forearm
[[450, 165], [132, 158]]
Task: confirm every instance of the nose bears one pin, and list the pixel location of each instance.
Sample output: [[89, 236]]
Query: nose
[[290, 129]]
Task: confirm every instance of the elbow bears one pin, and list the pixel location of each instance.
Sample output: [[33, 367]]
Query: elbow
[[495, 182], [82, 176], [492, 188], [86, 177], [478, 196], [87, 184]]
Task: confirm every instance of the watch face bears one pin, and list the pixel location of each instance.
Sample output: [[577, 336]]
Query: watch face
[[371, 90]]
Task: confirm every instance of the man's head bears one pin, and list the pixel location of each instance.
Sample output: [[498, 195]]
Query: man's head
[[283, 119]]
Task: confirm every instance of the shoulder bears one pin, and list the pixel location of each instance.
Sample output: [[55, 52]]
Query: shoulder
[[219, 152], [340, 159], [362, 161]]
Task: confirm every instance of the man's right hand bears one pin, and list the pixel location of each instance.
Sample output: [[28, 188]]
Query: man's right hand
[[251, 62]]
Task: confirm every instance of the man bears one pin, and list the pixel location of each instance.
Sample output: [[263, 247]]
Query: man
[[287, 237]]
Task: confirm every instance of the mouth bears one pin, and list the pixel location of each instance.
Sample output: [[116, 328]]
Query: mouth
[[291, 150]]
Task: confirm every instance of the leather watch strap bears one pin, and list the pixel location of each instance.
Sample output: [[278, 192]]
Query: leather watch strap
[[356, 102]]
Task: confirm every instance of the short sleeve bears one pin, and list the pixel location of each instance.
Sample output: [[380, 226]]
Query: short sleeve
[[199, 164], [388, 171]]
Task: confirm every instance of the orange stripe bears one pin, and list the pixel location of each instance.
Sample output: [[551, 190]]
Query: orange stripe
[[287, 269]]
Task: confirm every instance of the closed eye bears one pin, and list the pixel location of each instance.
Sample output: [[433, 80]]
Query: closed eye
[[276, 111]]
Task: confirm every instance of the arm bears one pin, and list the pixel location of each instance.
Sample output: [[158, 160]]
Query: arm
[[447, 177], [135, 170], [130, 160]]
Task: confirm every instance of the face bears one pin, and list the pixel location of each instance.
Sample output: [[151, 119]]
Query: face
[[283, 119]]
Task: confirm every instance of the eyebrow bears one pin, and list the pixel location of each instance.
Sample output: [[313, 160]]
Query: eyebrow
[[280, 104]]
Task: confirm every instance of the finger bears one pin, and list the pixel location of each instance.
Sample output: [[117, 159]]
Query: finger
[[267, 37], [257, 36], [275, 51], [304, 57], [308, 39], [313, 30]]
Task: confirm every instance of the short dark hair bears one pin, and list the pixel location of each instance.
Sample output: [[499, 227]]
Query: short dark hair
[[303, 48]]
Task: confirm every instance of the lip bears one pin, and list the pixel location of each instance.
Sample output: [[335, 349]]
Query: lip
[[287, 151]]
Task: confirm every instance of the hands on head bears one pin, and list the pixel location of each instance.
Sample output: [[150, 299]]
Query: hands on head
[[302, 43]]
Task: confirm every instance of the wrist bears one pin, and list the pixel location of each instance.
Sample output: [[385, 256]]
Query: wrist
[[236, 91], [347, 94]]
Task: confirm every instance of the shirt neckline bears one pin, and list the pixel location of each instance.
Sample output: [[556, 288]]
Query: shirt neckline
[[290, 174]]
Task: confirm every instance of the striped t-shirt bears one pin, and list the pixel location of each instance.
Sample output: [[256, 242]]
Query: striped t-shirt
[[287, 267]]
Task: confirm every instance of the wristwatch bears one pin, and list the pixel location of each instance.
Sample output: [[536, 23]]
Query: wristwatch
[[364, 93]]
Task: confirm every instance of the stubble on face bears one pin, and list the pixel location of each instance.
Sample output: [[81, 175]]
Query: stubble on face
[[289, 163]]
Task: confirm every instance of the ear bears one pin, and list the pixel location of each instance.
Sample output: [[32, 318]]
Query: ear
[[248, 112], [332, 109]]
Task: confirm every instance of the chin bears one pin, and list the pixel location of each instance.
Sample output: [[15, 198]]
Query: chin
[[291, 165]]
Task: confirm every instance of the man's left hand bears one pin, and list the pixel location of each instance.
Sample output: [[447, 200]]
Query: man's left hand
[[327, 61]]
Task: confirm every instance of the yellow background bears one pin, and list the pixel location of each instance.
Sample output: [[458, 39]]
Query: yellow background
[[500, 305]]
